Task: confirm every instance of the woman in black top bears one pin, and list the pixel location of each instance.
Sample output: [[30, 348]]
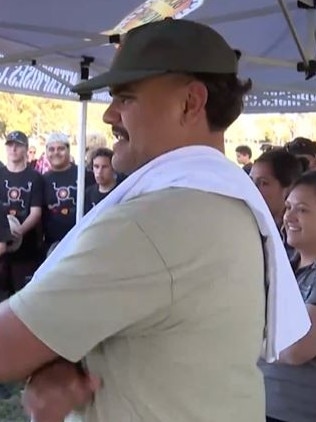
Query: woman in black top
[[291, 385], [274, 173]]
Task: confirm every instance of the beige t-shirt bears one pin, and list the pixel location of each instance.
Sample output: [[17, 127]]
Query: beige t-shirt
[[164, 297]]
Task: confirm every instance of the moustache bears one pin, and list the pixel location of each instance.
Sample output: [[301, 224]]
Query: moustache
[[120, 133]]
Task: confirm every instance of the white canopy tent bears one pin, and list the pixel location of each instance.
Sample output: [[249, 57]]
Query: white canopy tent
[[47, 47], [43, 43]]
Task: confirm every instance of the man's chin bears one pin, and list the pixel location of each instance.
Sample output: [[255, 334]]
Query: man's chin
[[117, 164], [59, 166], [121, 164]]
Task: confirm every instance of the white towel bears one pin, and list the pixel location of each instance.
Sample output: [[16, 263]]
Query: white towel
[[206, 169]]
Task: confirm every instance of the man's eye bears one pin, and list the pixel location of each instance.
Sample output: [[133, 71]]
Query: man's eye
[[123, 99]]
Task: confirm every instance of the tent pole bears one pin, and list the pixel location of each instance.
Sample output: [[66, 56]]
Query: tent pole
[[293, 32], [83, 111], [311, 28], [83, 108]]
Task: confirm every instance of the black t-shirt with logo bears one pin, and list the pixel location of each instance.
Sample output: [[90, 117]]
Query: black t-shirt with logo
[[18, 193], [60, 199], [93, 196]]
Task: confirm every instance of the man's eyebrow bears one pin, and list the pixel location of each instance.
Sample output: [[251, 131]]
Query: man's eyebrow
[[117, 90]]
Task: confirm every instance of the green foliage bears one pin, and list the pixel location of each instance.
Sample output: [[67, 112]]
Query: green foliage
[[11, 409], [39, 116]]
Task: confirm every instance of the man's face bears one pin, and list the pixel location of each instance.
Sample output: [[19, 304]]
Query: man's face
[[16, 152], [58, 155], [103, 171], [242, 158], [31, 154], [146, 118]]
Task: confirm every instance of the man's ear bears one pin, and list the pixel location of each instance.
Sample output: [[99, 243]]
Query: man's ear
[[195, 101]]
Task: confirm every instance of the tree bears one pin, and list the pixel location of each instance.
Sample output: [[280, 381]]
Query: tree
[[35, 116]]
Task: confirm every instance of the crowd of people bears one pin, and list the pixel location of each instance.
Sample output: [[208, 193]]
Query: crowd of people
[[286, 178], [42, 198], [157, 306]]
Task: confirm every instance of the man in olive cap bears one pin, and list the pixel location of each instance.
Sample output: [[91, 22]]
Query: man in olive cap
[[156, 290]]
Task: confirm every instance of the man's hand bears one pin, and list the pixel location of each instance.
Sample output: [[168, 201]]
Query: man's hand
[[56, 390], [17, 232]]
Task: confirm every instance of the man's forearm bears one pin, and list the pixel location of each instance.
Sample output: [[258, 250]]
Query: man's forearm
[[31, 221], [3, 248]]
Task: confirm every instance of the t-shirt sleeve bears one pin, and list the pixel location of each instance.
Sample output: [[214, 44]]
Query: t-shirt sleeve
[[37, 191], [311, 299], [111, 278]]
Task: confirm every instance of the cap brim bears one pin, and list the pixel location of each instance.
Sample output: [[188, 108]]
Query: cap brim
[[15, 142], [113, 78]]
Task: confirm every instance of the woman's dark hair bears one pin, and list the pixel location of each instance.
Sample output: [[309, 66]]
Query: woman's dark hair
[[285, 167], [306, 179], [225, 98]]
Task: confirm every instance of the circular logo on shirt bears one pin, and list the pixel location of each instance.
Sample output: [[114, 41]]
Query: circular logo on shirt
[[14, 193], [62, 193]]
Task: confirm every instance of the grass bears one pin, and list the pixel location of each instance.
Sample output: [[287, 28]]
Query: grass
[[11, 409]]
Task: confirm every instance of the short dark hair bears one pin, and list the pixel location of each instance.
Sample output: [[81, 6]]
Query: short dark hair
[[244, 150], [101, 152], [301, 145], [225, 98], [285, 167], [306, 179]]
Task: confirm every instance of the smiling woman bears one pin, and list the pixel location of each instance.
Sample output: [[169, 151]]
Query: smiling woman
[[290, 390], [300, 218]]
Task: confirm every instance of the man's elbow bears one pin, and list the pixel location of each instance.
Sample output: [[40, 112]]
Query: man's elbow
[[21, 352], [8, 374], [36, 213]]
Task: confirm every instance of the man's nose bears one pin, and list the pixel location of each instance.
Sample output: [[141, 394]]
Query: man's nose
[[111, 116]]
